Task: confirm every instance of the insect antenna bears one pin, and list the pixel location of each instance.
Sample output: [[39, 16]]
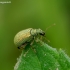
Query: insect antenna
[[46, 30], [50, 27]]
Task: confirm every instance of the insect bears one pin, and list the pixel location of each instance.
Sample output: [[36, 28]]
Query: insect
[[25, 36]]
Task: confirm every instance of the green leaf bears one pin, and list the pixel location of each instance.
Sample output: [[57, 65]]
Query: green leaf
[[40, 56]]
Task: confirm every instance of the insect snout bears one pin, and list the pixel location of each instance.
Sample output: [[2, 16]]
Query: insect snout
[[43, 33]]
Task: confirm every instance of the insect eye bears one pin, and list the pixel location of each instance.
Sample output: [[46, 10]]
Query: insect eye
[[42, 33]]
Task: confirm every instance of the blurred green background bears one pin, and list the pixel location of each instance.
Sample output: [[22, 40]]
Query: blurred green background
[[22, 14]]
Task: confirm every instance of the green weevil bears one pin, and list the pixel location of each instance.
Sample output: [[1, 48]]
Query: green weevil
[[25, 36]]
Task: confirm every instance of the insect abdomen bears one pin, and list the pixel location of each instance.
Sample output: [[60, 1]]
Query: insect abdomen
[[22, 37]]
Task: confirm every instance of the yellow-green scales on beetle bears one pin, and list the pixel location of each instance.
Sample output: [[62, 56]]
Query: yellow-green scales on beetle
[[25, 36]]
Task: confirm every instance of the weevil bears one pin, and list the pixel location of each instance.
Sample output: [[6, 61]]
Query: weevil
[[25, 36]]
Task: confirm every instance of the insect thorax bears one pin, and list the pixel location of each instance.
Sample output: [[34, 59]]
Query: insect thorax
[[35, 32]]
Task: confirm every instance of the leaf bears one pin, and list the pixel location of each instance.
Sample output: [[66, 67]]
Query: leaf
[[40, 56]]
